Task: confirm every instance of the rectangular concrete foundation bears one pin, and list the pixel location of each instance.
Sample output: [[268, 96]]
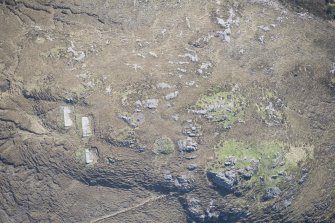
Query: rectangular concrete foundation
[[67, 117], [85, 123]]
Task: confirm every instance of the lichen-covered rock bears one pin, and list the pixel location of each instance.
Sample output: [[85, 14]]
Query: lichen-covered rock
[[134, 120], [192, 129], [187, 145], [271, 193], [180, 183], [223, 105], [271, 109], [151, 103], [224, 180]]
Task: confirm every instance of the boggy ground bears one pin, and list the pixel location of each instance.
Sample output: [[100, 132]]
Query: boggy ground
[[200, 111]]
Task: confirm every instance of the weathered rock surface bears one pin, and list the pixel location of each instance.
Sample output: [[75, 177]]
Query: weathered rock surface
[[225, 180]]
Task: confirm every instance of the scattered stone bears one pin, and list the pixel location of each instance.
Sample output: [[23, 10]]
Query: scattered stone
[[205, 69], [111, 160], [303, 178], [187, 145], [264, 28], [175, 117], [190, 157], [172, 95], [332, 71], [153, 54], [192, 167], [108, 90], [180, 183], [192, 55], [195, 208], [227, 24], [282, 173], [233, 214], [261, 39], [163, 85], [134, 120], [246, 176], [274, 177], [277, 161], [77, 55], [151, 103], [4, 85], [183, 182], [188, 23], [192, 129], [202, 41], [271, 193], [181, 70], [231, 161], [138, 103]]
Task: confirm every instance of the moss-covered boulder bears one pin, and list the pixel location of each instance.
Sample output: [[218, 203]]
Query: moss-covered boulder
[[241, 166], [224, 105]]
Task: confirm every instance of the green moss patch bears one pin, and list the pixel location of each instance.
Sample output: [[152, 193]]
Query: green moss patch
[[224, 105]]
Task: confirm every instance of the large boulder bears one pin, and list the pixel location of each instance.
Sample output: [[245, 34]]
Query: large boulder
[[225, 180]]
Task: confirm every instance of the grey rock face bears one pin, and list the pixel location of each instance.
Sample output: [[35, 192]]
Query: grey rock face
[[271, 193], [179, 183], [134, 120], [192, 130], [199, 210], [225, 180], [172, 95], [151, 103], [187, 145], [192, 167], [183, 183], [195, 208], [4, 85], [247, 176]]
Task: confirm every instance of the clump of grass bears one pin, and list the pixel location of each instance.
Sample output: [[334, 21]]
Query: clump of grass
[[164, 145], [223, 105]]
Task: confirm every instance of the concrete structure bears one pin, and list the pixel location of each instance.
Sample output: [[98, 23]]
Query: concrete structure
[[86, 128], [88, 156], [67, 117]]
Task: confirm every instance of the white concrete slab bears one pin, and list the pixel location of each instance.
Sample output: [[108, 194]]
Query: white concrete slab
[[67, 116], [88, 156], [85, 123]]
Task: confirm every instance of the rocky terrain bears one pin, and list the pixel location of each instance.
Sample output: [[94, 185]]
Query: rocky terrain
[[167, 111]]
